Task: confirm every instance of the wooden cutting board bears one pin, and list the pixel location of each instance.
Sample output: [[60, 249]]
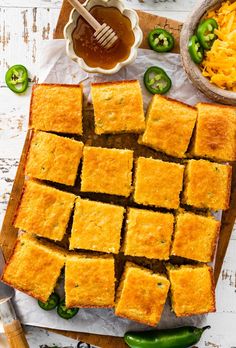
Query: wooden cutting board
[[9, 233]]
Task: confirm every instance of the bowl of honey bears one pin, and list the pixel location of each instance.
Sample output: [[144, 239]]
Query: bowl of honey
[[83, 48]]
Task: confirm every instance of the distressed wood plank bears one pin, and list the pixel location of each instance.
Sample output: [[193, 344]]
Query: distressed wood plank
[[152, 5], [20, 39], [222, 334]]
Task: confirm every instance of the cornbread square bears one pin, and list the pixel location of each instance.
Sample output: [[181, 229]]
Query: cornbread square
[[96, 226], [54, 158], [34, 267], [56, 108], [107, 171], [118, 107], [195, 237], [141, 295], [192, 289], [44, 210], [215, 132], [148, 234], [207, 185], [158, 183], [89, 281], [169, 126]]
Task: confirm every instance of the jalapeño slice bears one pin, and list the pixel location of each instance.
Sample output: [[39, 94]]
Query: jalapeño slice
[[17, 78], [156, 80]]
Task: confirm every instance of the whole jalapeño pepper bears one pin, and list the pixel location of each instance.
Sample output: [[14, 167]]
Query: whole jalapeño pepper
[[17, 78], [206, 33], [195, 50], [156, 80], [181, 337], [160, 40]]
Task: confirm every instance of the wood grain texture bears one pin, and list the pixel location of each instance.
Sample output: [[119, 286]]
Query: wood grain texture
[[147, 22], [13, 124], [227, 224], [9, 232]]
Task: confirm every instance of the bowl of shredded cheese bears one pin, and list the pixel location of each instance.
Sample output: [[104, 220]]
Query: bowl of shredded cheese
[[215, 75]]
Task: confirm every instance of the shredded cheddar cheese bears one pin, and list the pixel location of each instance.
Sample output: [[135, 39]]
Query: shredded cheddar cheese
[[219, 64]]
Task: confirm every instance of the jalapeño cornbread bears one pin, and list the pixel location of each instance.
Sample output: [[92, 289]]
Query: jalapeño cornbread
[[89, 281], [195, 237], [118, 107], [215, 132], [192, 289], [56, 108], [158, 183], [141, 295], [96, 226], [148, 234], [169, 126], [34, 267], [54, 158], [107, 171], [207, 185], [44, 210]]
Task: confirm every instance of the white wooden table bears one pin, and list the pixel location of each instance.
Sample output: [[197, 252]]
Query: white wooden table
[[23, 24]]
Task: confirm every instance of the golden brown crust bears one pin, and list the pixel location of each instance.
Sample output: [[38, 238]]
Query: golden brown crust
[[166, 176], [37, 278], [107, 171], [118, 107], [141, 295], [54, 158], [96, 226], [195, 237], [169, 126], [207, 185], [53, 115], [192, 289], [177, 102], [215, 135], [148, 234], [44, 210], [89, 281]]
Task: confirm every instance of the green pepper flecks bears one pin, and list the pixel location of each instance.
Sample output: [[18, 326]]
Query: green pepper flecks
[[181, 337], [161, 40], [156, 80], [195, 50], [206, 33], [64, 312], [17, 78]]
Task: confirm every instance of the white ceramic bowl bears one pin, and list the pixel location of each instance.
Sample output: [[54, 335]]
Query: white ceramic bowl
[[129, 13]]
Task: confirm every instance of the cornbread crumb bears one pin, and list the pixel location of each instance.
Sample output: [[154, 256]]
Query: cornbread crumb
[[207, 185], [56, 108], [96, 226], [118, 107], [54, 158], [107, 171], [148, 234], [44, 210], [215, 132], [89, 281], [34, 267], [141, 295], [195, 237], [192, 289], [158, 183], [169, 126]]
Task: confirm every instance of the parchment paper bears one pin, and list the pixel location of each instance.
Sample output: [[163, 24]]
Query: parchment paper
[[55, 67]]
